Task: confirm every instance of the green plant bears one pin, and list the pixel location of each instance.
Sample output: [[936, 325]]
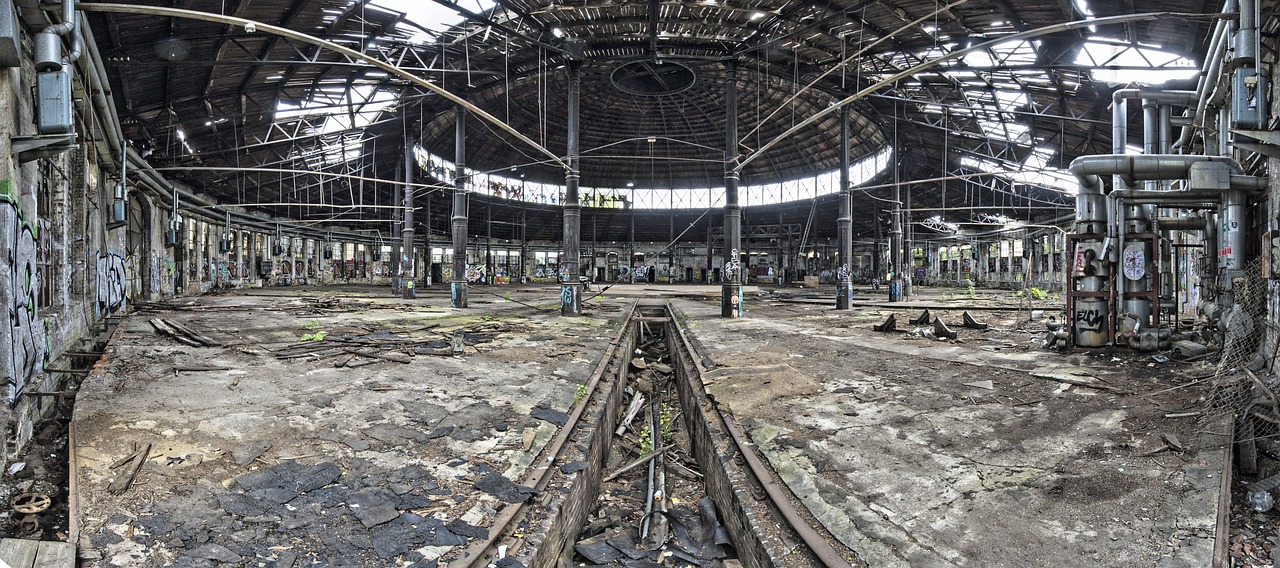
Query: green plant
[[317, 336], [646, 441], [582, 391], [666, 418]]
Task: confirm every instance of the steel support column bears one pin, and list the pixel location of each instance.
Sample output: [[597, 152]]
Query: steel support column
[[571, 285], [731, 289], [458, 279], [844, 224], [407, 255]]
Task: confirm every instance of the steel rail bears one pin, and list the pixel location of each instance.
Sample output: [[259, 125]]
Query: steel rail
[[539, 473], [779, 495]]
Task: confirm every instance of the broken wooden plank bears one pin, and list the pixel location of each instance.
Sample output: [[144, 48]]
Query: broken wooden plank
[[197, 336], [19, 552], [387, 355], [125, 480], [55, 554]]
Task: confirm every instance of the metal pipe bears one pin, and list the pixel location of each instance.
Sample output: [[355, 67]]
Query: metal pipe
[[1209, 75], [1181, 223], [1246, 48], [1150, 133], [68, 19], [1140, 167]]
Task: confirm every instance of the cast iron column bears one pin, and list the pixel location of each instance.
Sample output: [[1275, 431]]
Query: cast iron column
[[731, 287], [407, 255], [844, 225], [458, 280], [571, 286], [895, 244]]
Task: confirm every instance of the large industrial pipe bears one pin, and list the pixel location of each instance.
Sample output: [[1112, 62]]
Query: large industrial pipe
[[1245, 40], [1181, 223], [1210, 70], [1087, 169]]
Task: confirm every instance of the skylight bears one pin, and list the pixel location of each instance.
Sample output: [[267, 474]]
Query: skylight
[[1163, 66], [431, 15], [1034, 170]]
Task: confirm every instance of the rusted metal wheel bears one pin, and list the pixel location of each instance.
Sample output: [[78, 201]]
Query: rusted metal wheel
[[30, 503]]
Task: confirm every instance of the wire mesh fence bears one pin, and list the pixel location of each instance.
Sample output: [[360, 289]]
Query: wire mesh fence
[[1245, 386]]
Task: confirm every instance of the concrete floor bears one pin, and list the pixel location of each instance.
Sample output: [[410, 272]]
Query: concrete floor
[[908, 465], [297, 462]]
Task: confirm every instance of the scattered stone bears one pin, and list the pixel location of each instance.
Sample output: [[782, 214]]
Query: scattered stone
[[504, 489], [598, 550], [463, 528], [410, 502], [321, 401], [281, 483], [245, 456], [550, 415], [373, 507], [241, 504], [441, 432], [215, 552], [286, 559], [508, 562], [573, 467], [356, 444]]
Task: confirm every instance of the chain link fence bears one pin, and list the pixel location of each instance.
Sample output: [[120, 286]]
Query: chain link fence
[[1244, 384]]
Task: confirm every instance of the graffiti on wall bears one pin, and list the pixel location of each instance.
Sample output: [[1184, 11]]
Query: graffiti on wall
[[113, 282], [27, 341]]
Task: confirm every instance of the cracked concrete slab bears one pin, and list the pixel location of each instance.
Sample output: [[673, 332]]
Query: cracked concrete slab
[[907, 465], [299, 462]]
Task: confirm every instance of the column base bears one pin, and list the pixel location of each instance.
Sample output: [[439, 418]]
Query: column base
[[458, 294], [409, 290], [844, 295], [571, 300], [895, 290], [731, 301]]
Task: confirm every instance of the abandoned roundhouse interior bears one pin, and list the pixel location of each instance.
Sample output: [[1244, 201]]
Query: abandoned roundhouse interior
[[719, 283]]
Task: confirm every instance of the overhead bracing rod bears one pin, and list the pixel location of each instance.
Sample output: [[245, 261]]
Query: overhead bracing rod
[[255, 26], [1042, 31]]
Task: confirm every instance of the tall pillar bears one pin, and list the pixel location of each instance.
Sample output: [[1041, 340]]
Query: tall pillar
[[844, 224], [458, 280], [895, 244], [731, 289], [571, 287], [407, 255]]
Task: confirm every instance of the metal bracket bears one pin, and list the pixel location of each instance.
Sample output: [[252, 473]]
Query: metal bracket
[[29, 148], [1270, 142]]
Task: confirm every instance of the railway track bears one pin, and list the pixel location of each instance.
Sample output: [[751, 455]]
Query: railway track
[[648, 469]]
